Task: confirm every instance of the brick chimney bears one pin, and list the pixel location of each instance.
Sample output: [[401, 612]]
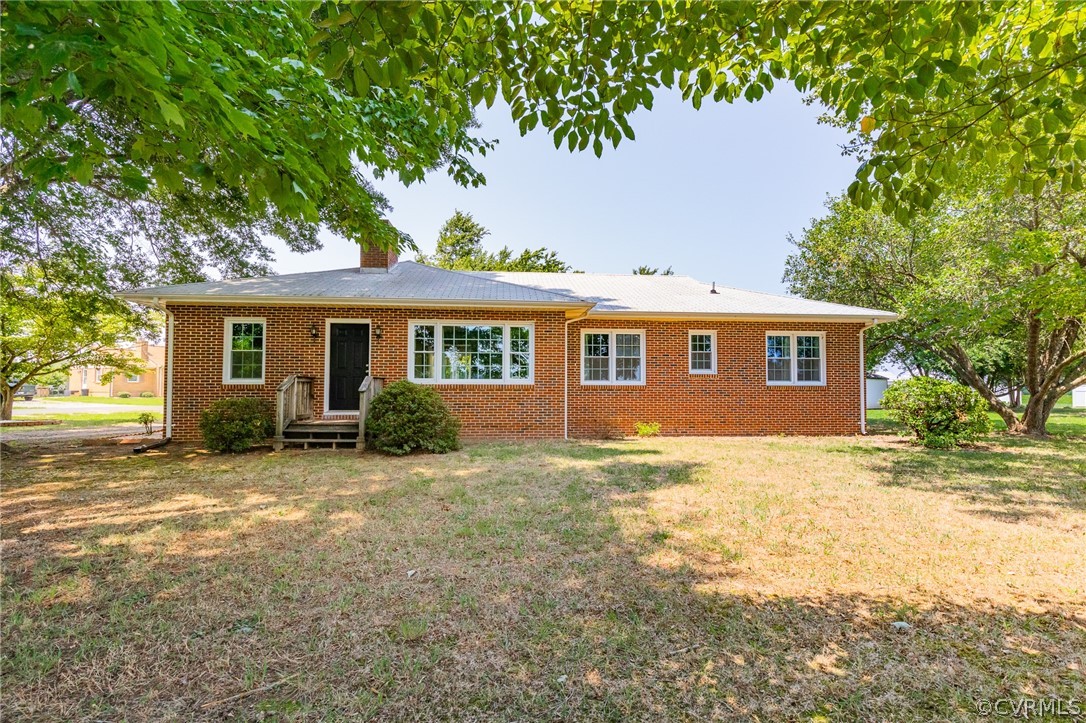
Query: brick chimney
[[376, 261]]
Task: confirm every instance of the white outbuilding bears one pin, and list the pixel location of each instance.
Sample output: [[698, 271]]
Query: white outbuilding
[[1078, 397], [876, 385]]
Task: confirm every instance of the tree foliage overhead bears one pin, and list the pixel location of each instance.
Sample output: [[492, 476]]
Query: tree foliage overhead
[[460, 247], [259, 116], [992, 290]]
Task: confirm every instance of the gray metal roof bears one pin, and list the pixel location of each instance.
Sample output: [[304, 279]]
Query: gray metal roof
[[409, 283], [634, 295], [404, 282]]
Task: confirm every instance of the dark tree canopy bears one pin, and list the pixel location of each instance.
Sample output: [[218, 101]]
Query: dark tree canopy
[[177, 121]]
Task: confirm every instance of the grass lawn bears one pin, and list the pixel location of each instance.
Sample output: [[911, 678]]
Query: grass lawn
[[654, 579], [123, 414], [91, 419], [135, 401], [1064, 420]]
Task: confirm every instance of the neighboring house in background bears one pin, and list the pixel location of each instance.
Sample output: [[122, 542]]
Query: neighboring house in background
[[521, 355], [876, 387], [1078, 397], [91, 381]]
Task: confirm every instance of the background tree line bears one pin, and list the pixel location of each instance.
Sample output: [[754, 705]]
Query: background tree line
[[992, 289]]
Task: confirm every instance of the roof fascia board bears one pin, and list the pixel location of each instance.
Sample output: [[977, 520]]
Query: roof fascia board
[[708, 316], [217, 300]]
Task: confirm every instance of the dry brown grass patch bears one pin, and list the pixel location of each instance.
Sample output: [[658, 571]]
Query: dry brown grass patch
[[650, 579]]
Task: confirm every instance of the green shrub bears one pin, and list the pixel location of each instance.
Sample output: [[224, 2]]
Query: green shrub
[[406, 417], [124, 395], [941, 414], [147, 395], [647, 429], [235, 425], [147, 419]]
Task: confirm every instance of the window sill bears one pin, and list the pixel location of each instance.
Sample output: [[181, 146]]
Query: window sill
[[243, 382], [702, 373], [474, 382], [795, 384], [611, 384]]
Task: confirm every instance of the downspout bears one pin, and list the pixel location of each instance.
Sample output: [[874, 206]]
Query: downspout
[[863, 378], [168, 416], [168, 421], [565, 374]]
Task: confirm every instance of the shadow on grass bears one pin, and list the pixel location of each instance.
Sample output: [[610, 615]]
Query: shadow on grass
[[1015, 483], [152, 587]]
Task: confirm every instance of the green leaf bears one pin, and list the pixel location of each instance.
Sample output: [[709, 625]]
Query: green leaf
[[170, 112]]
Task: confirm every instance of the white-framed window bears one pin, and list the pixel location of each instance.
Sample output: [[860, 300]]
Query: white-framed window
[[613, 356], [133, 378], [98, 375], [243, 351], [796, 358], [702, 352], [471, 352]]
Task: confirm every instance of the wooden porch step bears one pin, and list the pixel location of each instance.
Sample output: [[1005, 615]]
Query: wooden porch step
[[305, 442], [322, 428]]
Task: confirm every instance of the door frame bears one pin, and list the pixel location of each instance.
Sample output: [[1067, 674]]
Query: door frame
[[328, 359]]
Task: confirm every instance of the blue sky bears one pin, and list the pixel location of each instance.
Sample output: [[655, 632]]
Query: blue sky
[[712, 193]]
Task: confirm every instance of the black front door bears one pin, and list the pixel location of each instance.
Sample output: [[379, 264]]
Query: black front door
[[348, 364]]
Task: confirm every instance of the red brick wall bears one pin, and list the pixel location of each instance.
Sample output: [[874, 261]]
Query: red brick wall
[[734, 401], [487, 411], [377, 259]]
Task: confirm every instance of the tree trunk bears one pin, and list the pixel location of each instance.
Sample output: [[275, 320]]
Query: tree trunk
[[8, 393], [1035, 418]]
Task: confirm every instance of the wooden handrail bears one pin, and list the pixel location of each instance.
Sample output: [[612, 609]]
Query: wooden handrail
[[293, 402], [370, 388]]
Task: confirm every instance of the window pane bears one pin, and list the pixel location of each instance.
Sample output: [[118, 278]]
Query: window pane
[[246, 350], [701, 352], [520, 347], [779, 370], [778, 350], [778, 347], [628, 369], [809, 370], [628, 345], [597, 345], [809, 358], [595, 369], [597, 350], [472, 352], [627, 357], [423, 352]]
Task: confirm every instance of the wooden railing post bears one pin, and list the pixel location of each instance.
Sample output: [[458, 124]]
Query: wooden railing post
[[363, 410], [293, 401]]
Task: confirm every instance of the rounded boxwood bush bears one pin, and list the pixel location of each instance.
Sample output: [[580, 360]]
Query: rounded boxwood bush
[[124, 395], [406, 417], [942, 414], [235, 425], [147, 395]]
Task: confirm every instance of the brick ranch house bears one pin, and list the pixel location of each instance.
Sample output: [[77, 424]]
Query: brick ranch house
[[520, 355]]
